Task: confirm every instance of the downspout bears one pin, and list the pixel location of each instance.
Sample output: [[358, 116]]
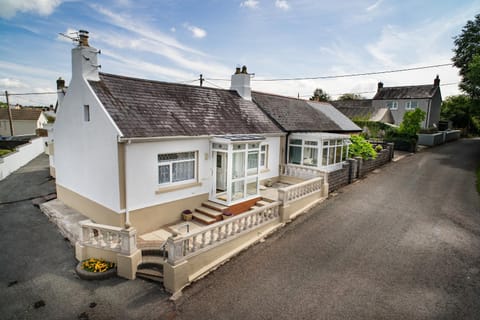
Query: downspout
[[125, 166], [428, 113], [286, 147]]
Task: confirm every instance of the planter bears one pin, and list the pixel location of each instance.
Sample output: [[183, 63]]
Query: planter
[[88, 275], [227, 215], [187, 215]]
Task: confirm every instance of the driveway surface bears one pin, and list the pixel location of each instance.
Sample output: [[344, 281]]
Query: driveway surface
[[404, 243], [37, 277]]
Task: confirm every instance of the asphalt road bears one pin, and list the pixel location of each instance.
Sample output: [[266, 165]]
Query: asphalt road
[[404, 243], [37, 278]]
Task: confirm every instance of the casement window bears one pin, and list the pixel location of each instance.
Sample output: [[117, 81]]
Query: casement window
[[392, 105], [176, 168], [86, 113], [410, 105], [264, 156], [334, 151]]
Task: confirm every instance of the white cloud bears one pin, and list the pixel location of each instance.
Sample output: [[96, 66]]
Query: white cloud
[[12, 83], [172, 29], [282, 4], [374, 6], [252, 4], [196, 31], [9, 8]]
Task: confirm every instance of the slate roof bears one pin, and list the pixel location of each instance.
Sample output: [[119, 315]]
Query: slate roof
[[21, 114], [363, 109], [296, 115], [146, 108], [406, 92]]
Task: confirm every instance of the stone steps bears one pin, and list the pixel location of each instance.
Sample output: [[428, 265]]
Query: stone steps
[[214, 206], [217, 215], [203, 218]]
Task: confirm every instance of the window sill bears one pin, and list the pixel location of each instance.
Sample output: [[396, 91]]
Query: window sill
[[177, 187]]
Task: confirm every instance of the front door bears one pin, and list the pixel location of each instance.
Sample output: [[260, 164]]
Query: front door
[[221, 167]]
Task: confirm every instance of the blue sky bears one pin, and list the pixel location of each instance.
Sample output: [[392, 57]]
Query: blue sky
[[176, 40]]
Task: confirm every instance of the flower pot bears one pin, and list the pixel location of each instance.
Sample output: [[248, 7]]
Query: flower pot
[[187, 216]]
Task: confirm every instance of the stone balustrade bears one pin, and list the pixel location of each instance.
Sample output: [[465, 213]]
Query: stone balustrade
[[301, 172], [301, 190], [108, 238], [184, 246]]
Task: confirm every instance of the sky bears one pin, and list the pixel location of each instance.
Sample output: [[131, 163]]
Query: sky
[[177, 40]]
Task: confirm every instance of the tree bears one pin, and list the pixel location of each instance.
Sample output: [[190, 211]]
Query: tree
[[320, 95], [412, 122], [351, 96], [459, 109], [467, 57]]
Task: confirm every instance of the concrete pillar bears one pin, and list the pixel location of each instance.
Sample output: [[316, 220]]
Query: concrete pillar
[[359, 166]]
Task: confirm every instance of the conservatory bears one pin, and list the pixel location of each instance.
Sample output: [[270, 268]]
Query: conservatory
[[325, 151]]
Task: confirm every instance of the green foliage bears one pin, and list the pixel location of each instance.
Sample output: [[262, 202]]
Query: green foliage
[[50, 119], [361, 148], [378, 148], [373, 129], [428, 130], [351, 96], [463, 112], [4, 152], [320, 95], [412, 122], [3, 105], [466, 57]]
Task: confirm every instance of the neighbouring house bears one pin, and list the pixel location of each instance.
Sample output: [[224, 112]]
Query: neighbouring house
[[317, 133], [402, 99], [363, 110], [24, 121]]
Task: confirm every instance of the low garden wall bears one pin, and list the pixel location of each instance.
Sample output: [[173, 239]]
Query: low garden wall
[[434, 139], [358, 167], [22, 155]]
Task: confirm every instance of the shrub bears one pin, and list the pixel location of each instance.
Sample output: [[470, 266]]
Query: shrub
[[361, 148], [378, 148], [412, 122], [4, 152]]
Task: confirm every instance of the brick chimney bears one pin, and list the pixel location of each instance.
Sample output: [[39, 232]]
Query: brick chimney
[[84, 59], [436, 81], [241, 83], [379, 86]]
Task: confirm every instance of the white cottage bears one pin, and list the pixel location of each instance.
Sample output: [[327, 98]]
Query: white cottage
[[138, 152]]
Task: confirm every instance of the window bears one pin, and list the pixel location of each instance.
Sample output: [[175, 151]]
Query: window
[[303, 152], [176, 167], [392, 105], [264, 156], [333, 152], [86, 113], [410, 105]]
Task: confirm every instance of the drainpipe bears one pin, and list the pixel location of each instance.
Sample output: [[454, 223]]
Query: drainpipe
[[286, 147], [428, 113], [127, 212]]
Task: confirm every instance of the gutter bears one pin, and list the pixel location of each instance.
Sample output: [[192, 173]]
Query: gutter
[[171, 138]]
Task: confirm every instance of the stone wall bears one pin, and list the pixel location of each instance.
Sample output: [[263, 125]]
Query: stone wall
[[358, 167]]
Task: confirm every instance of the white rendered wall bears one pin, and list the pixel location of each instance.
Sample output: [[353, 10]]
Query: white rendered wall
[[273, 158], [86, 155], [21, 156], [142, 172], [20, 127]]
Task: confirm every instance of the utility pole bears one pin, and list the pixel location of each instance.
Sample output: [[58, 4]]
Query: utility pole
[[201, 80], [9, 113]]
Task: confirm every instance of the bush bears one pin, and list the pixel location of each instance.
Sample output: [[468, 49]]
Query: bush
[[412, 122], [4, 152], [378, 148], [361, 148]]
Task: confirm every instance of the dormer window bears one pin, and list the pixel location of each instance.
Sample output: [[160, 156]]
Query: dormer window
[[392, 105]]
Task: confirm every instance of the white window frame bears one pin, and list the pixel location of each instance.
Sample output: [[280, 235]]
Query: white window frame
[[392, 105], [411, 105], [170, 164], [304, 144], [263, 154]]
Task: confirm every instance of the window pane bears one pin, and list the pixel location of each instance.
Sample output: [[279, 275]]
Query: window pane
[[296, 141], [262, 160], [253, 146], [338, 154], [252, 187], [295, 155], [310, 156], [239, 146], [325, 157], [182, 171], [237, 190], [264, 147], [164, 174], [252, 160], [311, 143], [331, 156], [238, 164]]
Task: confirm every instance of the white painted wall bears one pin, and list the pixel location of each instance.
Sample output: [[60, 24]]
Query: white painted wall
[[86, 156], [273, 158], [20, 127], [23, 155], [142, 171]]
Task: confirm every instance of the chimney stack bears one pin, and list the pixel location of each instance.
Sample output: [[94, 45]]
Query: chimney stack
[[379, 86], [436, 81], [83, 38], [241, 83], [60, 83], [84, 59]]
